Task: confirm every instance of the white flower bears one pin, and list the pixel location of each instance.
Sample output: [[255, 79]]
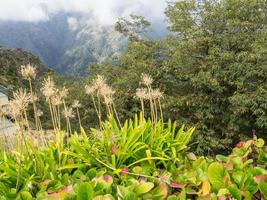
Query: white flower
[[76, 104], [28, 71], [68, 113], [146, 79]]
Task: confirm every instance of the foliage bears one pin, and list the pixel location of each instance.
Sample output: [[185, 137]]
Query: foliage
[[212, 69], [85, 169]]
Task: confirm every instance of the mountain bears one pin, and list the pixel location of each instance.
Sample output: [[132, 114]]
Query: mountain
[[67, 42], [10, 64]]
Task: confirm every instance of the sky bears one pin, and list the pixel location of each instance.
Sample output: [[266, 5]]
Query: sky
[[105, 11]]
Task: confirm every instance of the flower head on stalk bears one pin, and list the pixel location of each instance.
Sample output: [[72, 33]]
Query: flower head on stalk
[[28, 72], [89, 89], [68, 113], [48, 88], [146, 80], [76, 104], [141, 93]]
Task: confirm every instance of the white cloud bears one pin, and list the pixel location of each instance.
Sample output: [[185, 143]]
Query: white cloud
[[105, 11]]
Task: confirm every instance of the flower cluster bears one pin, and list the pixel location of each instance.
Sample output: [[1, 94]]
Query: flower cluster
[[28, 72]]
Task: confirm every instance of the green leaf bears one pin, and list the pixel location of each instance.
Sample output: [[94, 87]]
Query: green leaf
[[235, 192], [91, 173], [263, 189], [130, 196], [222, 158], [72, 166], [223, 192], [143, 188], [24, 196], [216, 175], [238, 177], [85, 191]]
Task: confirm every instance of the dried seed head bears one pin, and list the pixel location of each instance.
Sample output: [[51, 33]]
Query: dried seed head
[[141, 93], [63, 93], [106, 91], [28, 72], [76, 104], [156, 94], [146, 79], [89, 89], [99, 81], [48, 87], [68, 113], [34, 98], [14, 108], [4, 110], [56, 100], [108, 100], [21, 99]]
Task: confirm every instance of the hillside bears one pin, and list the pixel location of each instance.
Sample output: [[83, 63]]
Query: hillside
[[67, 42], [10, 63]]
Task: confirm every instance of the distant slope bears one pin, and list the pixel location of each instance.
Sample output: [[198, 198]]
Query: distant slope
[[10, 64], [68, 43]]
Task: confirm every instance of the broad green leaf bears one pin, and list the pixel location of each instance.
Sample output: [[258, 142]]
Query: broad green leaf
[[222, 158], [263, 189], [24, 196], [85, 191], [235, 192], [216, 175], [143, 188], [130, 196], [223, 192]]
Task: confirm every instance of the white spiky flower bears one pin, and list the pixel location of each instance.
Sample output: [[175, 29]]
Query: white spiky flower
[[156, 94], [48, 87], [76, 104], [21, 98], [99, 81], [106, 91], [64, 92], [68, 113], [28, 71], [146, 79], [89, 89], [19, 103], [4, 110], [141, 93], [56, 100], [34, 98], [108, 100]]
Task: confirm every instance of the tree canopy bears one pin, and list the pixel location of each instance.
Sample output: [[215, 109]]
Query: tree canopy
[[212, 68]]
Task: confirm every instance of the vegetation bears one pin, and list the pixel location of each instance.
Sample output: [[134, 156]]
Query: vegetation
[[99, 168], [212, 69], [142, 158], [82, 140]]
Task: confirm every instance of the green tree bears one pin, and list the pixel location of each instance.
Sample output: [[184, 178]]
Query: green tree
[[218, 55], [212, 69]]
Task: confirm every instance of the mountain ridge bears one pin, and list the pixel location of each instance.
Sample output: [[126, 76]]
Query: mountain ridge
[[10, 64], [67, 42]]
